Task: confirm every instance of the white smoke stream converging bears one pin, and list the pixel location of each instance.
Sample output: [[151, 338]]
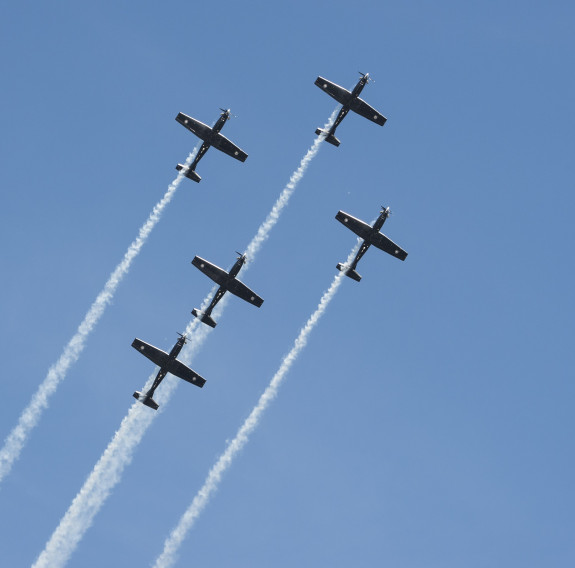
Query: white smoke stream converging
[[108, 470], [273, 216], [172, 544], [29, 418]]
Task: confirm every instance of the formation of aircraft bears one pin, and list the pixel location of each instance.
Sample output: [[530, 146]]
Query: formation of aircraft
[[211, 137], [350, 101], [168, 363], [370, 236], [227, 282]]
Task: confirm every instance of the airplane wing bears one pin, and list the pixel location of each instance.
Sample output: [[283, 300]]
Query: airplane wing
[[364, 231], [183, 372], [200, 129], [222, 143], [362, 108], [240, 290], [360, 228], [340, 94], [154, 354], [385, 244], [217, 274]]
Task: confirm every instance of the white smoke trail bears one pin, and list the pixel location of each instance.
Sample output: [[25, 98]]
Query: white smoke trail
[[29, 418], [108, 470], [118, 455], [172, 544], [273, 216]]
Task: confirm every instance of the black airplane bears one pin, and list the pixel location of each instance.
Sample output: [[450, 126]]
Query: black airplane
[[350, 101], [370, 236], [168, 364], [211, 137], [228, 283]]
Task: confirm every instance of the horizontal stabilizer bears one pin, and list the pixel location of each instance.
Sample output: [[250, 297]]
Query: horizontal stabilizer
[[204, 317], [349, 272], [328, 137], [147, 400], [190, 174]]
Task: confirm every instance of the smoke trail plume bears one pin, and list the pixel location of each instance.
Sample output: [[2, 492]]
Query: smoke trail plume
[[29, 418], [109, 468], [175, 539], [274, 214]]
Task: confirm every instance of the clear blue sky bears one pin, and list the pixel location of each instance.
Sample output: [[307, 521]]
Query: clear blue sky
[[429, 421]]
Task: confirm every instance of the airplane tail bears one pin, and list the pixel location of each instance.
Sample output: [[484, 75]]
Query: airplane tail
[[329, 137], [147, 400], [204, 317], [349, 272], [190, 174]]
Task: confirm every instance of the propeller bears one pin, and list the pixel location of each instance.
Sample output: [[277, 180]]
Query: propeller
[[386, 210], [367, 77], [183, 336], [228, 112]]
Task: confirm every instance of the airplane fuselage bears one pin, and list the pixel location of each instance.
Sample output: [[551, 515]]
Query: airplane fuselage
[[381, 220], [177, 348], [220, 122], [349, 100], [227, 282], [370, 235], [353, 95], [210, 136], [159, 378], [223, 287], [358, 88], [209, 139], [237, 267], [168, 363], [347, 105], [366, 244], [173, 354]]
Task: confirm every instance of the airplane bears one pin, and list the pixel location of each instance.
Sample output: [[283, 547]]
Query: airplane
[[227, 282], [168, 364], [370, 236], [350, 101], [211, 137]]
